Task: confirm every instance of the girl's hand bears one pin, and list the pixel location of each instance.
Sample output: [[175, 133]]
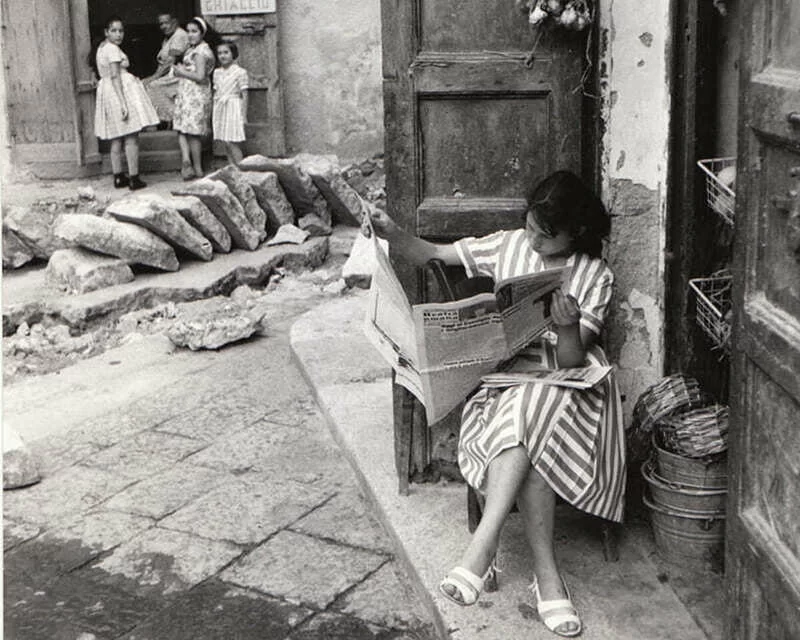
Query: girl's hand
[[564, 309], [383, 225]]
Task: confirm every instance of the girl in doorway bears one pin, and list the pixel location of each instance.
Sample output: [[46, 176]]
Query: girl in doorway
[[230, 101], [192, 118], [123, 108], [527, 442]]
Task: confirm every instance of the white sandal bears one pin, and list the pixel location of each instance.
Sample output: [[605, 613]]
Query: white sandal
[[467, 586], [548, 611]]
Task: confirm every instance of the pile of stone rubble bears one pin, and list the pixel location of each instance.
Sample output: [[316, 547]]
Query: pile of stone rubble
[[264, 200]]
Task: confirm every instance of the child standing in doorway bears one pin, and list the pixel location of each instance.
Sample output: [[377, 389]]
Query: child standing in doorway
[[230, 101]]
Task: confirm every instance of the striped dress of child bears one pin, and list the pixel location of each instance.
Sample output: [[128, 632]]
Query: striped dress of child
[[574, 437], [227, 117]]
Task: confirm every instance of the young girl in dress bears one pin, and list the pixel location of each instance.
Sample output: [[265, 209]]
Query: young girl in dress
[[230, 101], [192, 118], [122, 108], [528, 442]]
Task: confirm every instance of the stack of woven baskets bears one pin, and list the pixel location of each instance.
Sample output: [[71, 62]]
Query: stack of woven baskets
[[686, 471]]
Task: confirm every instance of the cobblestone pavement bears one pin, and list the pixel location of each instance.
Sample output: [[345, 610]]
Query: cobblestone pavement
[[214, 507]]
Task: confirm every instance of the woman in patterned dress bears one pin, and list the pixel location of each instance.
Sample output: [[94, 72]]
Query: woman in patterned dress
[[230, 101], [192, 119], [529, 442], [122, 108]]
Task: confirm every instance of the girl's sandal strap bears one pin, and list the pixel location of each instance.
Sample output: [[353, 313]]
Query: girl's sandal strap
[[466, 583], [555, 620]]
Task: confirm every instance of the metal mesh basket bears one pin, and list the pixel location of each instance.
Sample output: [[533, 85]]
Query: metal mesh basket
[[719, 196], [713, 304]]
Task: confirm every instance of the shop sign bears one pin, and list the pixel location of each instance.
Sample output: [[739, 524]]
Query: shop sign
[[236, 7]]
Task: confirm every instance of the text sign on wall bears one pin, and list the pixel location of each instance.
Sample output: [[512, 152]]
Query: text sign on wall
[[237, 7]]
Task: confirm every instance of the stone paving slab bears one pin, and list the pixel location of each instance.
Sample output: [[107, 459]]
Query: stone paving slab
[[350, 507], [331, 626], [217, 611], [166, 492], [62, 495], [225, 416], [246, 509], [160, 562], [303, 570], [15, 533]]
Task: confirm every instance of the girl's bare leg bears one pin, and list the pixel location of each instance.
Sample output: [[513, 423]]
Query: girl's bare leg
[[537, 503], [132, 153], [183, 143], [234, 152], [116, 155], [505, 476], [196, 149]]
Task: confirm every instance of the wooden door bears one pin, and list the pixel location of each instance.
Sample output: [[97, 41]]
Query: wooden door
[[763, 532], [257, 39], [469, 127]]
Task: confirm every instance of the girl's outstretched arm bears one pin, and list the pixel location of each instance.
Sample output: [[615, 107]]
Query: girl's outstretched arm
[[116, 82], [199, 73], [416, 250]]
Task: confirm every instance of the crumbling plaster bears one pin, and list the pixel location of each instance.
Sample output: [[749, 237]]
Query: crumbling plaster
[[330, 60], [635, 92]]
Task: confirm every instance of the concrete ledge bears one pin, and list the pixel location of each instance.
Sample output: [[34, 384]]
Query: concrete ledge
[[623, 600]]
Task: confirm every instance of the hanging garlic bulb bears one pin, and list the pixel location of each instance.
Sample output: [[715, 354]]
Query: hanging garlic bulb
[[568, 17], [537, 15]]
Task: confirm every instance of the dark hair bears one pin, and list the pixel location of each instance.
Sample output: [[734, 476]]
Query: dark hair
[[563, 202], [211, 37], [91, 59], [232, 46]]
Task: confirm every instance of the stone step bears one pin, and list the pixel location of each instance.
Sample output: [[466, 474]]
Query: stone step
[[158, 141], [152, 161]]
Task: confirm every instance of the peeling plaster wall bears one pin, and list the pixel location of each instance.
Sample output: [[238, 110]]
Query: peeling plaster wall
[[635, 90], [5, 142], [330, 60]]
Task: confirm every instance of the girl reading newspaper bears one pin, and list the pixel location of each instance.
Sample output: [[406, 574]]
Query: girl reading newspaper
[[527, 442]]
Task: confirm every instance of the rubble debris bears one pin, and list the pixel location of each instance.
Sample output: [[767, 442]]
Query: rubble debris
[[344, 201], [15, 252], [192, 209], [20, 466], [298, 186], [271, 198], [35, 227], [80, 271], [360, 265], [234, 179], [314, 225], [288, 233], [155, 214], [213, 323], [86, 193], [132, 243], [227, 209]]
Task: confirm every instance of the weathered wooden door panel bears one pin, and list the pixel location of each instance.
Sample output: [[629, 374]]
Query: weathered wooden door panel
[[763, 536], [469, 128]]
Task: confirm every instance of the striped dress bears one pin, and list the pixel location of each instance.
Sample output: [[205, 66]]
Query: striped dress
[[227, 117], [574, 438]]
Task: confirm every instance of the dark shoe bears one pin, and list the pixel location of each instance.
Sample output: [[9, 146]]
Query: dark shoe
[[187, 171], [136, 183], [120, 180]]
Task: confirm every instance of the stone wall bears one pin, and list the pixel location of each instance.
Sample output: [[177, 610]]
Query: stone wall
[[330, 61], [635, 82]]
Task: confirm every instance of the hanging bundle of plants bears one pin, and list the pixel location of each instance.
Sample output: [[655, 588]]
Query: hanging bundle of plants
[[570, 14]]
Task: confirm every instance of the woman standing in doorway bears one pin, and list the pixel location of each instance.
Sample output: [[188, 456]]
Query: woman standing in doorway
[[123, 108], [192, 118]]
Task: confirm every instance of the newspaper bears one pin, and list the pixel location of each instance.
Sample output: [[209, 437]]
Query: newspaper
[[441, 351], [576, 378]]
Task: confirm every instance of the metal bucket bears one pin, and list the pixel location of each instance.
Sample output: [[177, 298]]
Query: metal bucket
[[684, 498], [700, 473], [687, 538]]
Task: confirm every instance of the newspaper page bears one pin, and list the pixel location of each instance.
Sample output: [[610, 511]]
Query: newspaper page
[[388, 323], [576, 377]]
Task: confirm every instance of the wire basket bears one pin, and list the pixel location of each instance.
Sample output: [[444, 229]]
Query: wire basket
[[719, 196], [713, 305]]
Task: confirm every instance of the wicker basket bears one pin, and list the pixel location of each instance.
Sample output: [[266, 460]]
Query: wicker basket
[[719, 196], [697, 433], [713, 296]]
